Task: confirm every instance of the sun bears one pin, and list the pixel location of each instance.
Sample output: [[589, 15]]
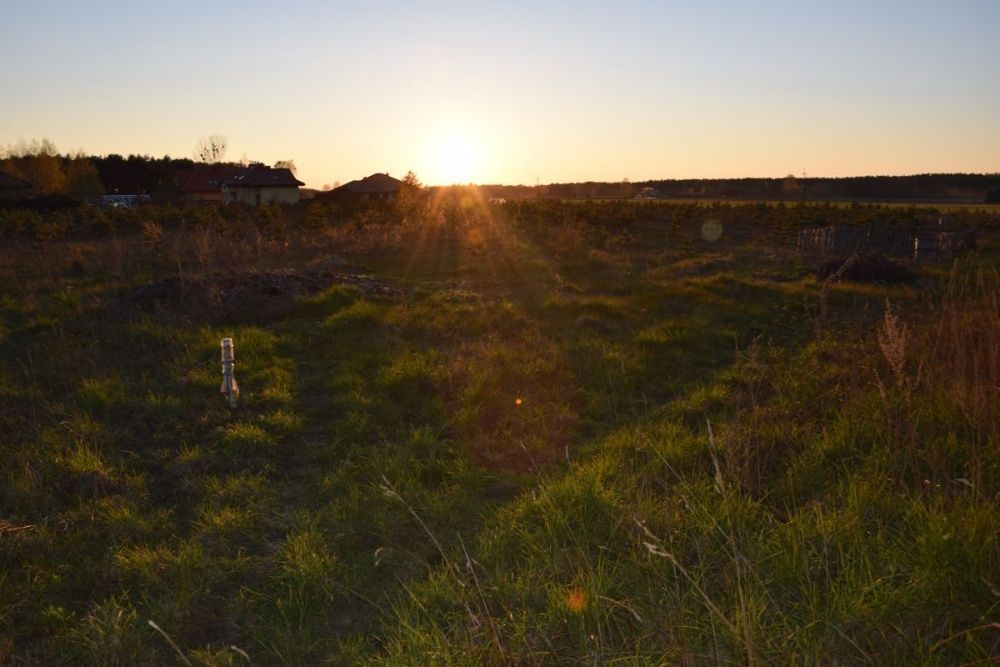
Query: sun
[[455, 158]]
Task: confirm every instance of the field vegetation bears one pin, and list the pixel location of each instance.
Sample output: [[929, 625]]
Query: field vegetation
[[540, 432]]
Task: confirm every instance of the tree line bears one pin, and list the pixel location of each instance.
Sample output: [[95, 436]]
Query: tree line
[[79, 176], [920, 187]]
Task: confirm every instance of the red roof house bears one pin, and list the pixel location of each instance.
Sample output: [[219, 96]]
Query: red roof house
[[260, 184], [376, 186], [204, 182]]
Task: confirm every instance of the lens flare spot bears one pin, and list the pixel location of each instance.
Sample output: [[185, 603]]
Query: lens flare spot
[[576, 600], [711, 231]]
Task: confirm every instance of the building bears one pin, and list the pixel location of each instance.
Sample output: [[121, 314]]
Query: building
[[376, 186], [203, 183], [13, 189], [260, 184]]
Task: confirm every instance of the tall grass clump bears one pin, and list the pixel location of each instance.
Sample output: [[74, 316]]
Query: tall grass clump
[[939, 384]]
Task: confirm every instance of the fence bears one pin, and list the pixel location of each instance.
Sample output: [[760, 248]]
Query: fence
[[917, 244]]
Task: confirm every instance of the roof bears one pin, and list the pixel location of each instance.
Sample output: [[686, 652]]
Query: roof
[[374, 184], [260, 176], [204, 178], [8, 182]]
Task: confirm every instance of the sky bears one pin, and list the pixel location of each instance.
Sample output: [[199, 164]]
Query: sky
[[515, 92]]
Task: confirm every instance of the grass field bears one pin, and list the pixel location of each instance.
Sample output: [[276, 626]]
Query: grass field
[[551, 433]]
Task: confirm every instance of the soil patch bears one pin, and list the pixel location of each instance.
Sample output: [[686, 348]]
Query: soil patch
[[262, 294], [866, 268]]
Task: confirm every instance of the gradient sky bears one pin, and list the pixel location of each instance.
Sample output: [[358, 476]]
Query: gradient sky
[[510, 92]]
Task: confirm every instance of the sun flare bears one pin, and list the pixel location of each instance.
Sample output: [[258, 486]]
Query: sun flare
[[455, 158]]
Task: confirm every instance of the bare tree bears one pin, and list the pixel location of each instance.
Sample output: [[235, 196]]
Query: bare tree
[[211, 149], [29, 149], [286, 164]]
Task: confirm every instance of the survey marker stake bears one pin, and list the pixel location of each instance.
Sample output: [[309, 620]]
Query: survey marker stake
[[229, 389]]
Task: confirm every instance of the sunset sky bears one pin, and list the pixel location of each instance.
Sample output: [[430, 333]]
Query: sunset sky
[[510, 92]]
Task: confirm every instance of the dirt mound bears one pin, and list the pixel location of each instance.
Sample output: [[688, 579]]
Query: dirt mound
[[866, 268], [264, 293]]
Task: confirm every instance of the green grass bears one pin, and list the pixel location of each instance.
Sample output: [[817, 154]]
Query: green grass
[[582, 433]]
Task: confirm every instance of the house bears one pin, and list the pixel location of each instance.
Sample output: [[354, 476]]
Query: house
[[260, 184], [13, 189], [203, 183], [376, 186]]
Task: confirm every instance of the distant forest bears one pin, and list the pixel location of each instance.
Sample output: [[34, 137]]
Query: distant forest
[[80, 176], [140, 174], [971, 188]]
